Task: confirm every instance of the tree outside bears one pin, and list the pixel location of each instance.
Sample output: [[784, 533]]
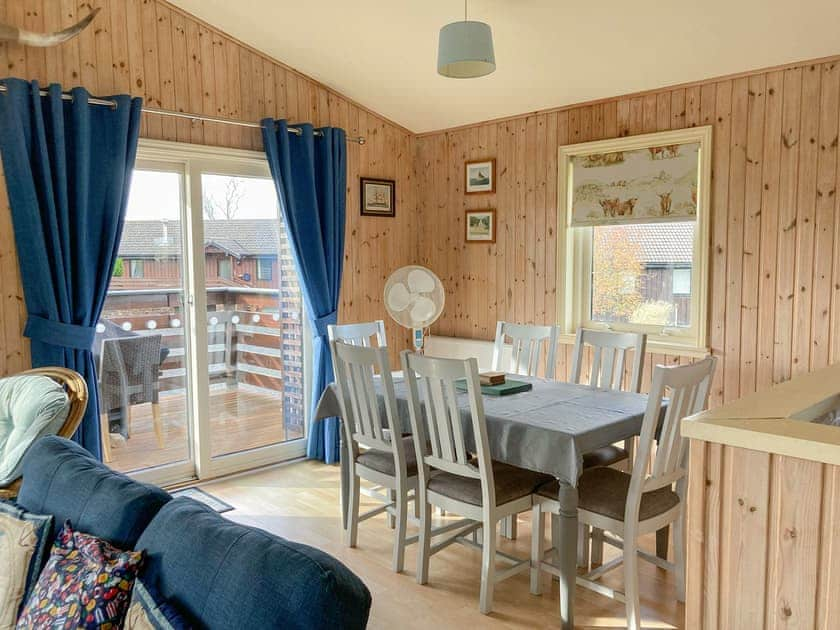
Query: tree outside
[[616, 275], [225, 206]]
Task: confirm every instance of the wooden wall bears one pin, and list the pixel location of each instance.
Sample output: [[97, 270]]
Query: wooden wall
[[775, 237], [762, 541], [151, 49]]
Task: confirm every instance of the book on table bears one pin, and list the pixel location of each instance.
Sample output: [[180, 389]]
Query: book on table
[[510, 386], [491, 378]]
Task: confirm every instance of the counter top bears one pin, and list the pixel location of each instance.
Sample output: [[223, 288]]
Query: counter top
[[778, 420]]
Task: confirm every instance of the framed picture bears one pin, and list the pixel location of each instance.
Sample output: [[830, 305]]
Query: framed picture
[[649, 178], [378, 197], [480, 226], [480, 177]]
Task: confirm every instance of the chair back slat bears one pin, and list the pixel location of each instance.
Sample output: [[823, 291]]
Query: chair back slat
[[359, 334], [686, 389], [433, 387], [609, 356], [355, 367], [526, 348]]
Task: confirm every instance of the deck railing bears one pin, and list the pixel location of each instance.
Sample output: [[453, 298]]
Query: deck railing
[[254, 337]]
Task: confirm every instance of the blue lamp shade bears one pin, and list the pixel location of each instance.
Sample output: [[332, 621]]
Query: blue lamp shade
[[465, 50]]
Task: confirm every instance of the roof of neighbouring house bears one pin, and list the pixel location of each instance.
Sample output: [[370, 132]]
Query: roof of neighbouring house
[[237, 237], [663, 243]]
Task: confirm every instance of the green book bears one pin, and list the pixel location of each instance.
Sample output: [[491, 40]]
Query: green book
[[505, 389]]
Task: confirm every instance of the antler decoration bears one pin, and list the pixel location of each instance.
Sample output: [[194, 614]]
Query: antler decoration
[[44, 40]]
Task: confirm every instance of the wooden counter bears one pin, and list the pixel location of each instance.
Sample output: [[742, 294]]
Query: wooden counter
[[764, 510]]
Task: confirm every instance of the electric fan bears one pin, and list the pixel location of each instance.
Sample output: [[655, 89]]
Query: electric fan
[[414, 298]]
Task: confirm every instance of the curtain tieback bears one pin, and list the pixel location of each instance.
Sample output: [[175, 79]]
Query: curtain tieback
[[59, 333], [321, 323]]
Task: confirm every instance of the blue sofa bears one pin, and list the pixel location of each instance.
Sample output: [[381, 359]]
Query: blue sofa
[[217, 573]]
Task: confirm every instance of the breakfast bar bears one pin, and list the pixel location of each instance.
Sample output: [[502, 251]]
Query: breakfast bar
[[763, 499]]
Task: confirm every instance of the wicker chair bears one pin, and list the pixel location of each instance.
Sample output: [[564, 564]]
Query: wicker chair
[[77, 393], [129, 374]]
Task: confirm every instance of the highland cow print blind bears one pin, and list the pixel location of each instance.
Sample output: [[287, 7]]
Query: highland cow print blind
[[641, 185]]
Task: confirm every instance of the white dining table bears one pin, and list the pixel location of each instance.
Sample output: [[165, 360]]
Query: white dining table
[[546, 429]]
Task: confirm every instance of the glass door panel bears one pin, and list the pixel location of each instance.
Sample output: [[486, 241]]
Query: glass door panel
[[140, 344], [254, 317]]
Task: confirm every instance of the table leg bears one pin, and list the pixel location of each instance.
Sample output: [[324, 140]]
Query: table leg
[[344, 465], [565, 552]]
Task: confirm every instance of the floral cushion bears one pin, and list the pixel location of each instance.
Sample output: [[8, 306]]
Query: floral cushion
[[23, 541], [149, 611], [86, 583]]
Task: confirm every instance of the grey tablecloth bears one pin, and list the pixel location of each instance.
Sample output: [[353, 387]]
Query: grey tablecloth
[[547, 429]]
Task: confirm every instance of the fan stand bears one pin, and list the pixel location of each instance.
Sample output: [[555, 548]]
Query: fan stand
[[419, 337]]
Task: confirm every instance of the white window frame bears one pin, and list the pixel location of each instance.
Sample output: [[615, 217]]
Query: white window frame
[[131, 267], [193, 161], [265, 260], [574, 256], [222, 263]]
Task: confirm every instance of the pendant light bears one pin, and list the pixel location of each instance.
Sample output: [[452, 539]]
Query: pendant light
[[465, 49]]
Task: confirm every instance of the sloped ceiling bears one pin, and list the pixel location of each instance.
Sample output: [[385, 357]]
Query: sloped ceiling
[[549, 53]]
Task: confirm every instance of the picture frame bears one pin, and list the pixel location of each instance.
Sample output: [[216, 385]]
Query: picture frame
[[377, 197], [480, 226], [480, 177]]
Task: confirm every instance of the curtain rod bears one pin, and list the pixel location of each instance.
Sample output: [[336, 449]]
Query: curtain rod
[[212, 119]]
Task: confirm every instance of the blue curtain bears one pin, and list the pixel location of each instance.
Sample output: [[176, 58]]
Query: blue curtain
[[68, 167], [310, 174]]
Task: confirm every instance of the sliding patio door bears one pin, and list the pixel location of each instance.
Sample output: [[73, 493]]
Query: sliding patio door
[[141, 350], [206, 277]]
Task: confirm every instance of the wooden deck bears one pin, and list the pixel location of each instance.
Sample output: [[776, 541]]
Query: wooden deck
[[299, 501], [241, 418]]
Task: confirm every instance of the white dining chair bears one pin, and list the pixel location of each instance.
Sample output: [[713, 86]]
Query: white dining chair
[[527, 341], [526, 347], [360, 334], [378, 452], [480, 489], [630, 506], [364, 334], [609, 357]]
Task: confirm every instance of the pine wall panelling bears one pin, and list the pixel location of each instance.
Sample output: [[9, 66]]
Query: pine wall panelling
[[151, 49], [775, 238], [762, 539]]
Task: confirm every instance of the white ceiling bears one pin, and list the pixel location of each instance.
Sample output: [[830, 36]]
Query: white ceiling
[[382, 53]]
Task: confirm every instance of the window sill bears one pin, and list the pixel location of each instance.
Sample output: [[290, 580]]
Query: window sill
[[657, 347]]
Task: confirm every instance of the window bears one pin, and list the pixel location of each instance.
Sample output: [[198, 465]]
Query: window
[[638, 264], [632, 267], [224, 269], [136, 269], [264, 269], [681, 281]]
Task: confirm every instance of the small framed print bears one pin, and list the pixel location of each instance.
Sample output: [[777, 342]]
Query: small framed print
[[378, 198], [480, 177], [480, 226]]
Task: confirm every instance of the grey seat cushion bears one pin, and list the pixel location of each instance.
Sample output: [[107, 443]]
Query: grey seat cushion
[[604, 491], [606, 456], [511, 484], [383, 461]]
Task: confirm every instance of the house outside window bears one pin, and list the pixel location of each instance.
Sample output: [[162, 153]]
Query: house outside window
[[264, 269], [224, 269], [136, 269]]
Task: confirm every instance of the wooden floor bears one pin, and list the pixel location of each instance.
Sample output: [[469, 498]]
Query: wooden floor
[[300, 501], [241, 418]]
